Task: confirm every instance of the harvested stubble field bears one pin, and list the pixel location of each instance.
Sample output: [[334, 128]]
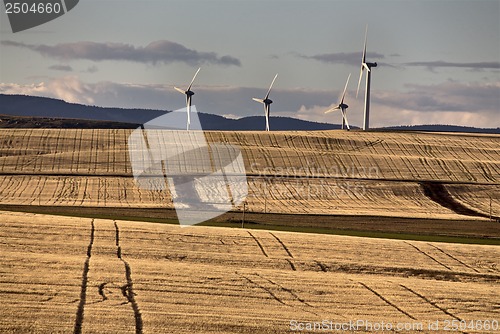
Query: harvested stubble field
[[96, 275], [82, 275], [415, 175]]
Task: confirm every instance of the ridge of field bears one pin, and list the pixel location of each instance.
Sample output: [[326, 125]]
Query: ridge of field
[[82, 275], [307, 172]]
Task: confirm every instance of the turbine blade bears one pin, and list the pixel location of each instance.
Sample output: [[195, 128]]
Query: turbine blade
[[180, 90], [363, 59], [359, 81], [345, 89], [332, 110], [344, 115], [258, 100], [193, 79], [272, 83]]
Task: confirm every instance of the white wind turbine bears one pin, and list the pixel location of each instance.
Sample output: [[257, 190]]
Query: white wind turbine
[[342, 106], [189, 94], [368, 66], [267, 102]]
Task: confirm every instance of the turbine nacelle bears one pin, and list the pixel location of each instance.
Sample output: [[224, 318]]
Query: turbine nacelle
[[341, 106], [186, 92], [368, 66], [263, 101]]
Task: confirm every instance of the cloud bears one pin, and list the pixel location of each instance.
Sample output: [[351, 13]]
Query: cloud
[[351, 58], [68, 88], [471, 104], [92, 69], [64, 68], [431, 65], [157, 52], [446, 96]]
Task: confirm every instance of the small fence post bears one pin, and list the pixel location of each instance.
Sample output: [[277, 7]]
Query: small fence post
[[244, 208]]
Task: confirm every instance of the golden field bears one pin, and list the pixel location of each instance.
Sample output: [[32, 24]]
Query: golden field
[[63, 275], [319, 172], [78, 274]]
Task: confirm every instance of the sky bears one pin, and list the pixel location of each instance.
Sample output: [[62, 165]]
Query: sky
[[438, 61]]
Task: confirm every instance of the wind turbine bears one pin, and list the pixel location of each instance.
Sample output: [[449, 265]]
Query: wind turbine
[[342, 106], [189, 94], [368, 66], [267, 102]]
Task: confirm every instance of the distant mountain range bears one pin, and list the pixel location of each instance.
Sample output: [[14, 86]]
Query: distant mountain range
[[48, 108], [21, 111]]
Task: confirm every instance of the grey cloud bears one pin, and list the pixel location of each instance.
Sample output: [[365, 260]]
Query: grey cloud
[[431, 65], [415, 100], [157, 52], [92, 69], [447, 96], [64, 68], [350, 58]]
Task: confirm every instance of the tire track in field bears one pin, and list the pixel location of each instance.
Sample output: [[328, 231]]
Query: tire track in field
[[429, 256], [290, 291], [291, 264], [128, 289], [274, 290], [321, 266], [263, 288], [101, 291], [427, 300], [282, 244], [387, 301], [454, 258], [259, 244], [83, 292]]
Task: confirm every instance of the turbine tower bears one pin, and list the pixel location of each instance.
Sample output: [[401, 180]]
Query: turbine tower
[[189, 94], [342, 107], [267, 102], [368, 66]]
